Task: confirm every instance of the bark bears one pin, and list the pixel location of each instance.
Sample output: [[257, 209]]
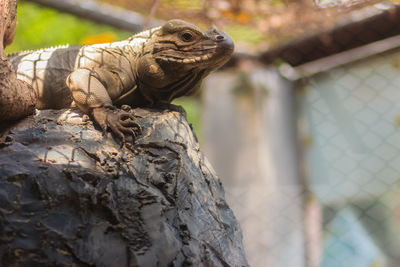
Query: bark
[[17, 98], [71, 196]]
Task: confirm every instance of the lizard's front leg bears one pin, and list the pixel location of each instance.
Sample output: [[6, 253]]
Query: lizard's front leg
[[88, 90]]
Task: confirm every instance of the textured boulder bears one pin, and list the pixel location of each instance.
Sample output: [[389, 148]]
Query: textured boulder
[[70, 196]]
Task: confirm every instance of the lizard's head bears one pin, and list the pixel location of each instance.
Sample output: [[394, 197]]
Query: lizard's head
[[183, 45], [179, 50]]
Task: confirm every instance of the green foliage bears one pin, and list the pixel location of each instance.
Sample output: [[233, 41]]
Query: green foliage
[[192, 106], [40, 27]]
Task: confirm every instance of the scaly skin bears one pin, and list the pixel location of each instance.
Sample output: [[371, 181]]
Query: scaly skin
[[149, 69]]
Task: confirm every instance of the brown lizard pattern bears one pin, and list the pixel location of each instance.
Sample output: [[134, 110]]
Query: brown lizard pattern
[[149, 69]]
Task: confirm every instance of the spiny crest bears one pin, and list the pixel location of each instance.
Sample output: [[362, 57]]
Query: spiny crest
[[26, 52], [144, 34]]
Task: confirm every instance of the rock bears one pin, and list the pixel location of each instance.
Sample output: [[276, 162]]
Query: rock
[[70, 196]]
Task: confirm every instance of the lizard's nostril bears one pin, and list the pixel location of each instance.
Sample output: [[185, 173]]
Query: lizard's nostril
[[219, 37]]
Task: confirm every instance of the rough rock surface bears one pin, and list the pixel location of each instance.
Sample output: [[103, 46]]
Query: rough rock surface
[[70, 196]]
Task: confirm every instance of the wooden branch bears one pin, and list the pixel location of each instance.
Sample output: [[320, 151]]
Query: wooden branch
[[153, 10], [17, 98], [101, 13]]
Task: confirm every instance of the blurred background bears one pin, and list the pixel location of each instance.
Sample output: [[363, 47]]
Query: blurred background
[[302, 126]]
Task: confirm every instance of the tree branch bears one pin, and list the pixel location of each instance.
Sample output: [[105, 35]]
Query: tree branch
[[101, 13]]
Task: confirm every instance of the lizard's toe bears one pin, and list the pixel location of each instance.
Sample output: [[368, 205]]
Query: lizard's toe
[[126, 108]]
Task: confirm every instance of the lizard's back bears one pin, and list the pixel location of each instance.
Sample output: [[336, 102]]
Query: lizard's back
[[46, 70]]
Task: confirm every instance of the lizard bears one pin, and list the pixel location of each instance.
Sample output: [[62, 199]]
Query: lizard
[[149, 69]]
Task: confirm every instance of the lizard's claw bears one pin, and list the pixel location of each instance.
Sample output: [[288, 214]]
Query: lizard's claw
[[120, 123]]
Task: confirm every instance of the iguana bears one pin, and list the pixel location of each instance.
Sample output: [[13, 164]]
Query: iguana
[[148, 69]]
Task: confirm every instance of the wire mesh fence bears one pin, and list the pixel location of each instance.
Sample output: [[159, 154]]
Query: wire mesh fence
[[352, 117]]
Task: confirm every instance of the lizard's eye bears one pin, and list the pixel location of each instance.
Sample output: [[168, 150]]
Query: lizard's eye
[[187, 37]]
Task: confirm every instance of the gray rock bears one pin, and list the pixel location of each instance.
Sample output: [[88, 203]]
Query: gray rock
[[70, 196]]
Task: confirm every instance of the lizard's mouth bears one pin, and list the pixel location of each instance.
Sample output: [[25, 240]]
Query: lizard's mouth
[[186, 57]]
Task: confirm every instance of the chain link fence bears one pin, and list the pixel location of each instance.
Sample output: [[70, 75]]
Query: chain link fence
[[352, 117]]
